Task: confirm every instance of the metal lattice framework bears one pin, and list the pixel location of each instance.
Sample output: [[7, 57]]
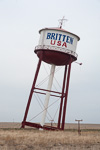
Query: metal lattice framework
[[63, 97]]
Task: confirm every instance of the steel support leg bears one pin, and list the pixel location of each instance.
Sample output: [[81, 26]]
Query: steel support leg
[[31, 92], [61, 103], [48, 94], [66, 95]]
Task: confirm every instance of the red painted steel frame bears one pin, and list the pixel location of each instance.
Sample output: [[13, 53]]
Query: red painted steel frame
[[61, 104], [31, 92], [66, 95], [45, 127]]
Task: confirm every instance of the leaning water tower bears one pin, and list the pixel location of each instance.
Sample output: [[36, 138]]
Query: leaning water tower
[[56, 47]]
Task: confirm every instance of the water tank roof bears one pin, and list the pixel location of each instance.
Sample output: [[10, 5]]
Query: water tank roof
[[59, 29]]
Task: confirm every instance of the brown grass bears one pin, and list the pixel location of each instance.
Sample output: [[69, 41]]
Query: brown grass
[[50, 140]]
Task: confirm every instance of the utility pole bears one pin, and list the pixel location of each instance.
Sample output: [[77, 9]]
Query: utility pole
[[51, 122], [79, 131]]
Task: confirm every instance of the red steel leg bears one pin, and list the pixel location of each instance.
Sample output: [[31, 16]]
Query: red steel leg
[[61, 103], [66, 95], [31, 92]]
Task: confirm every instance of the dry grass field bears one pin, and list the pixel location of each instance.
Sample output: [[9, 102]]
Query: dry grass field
[[30, 139]]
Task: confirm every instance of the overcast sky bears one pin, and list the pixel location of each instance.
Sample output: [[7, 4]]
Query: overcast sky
[[20, 21]]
